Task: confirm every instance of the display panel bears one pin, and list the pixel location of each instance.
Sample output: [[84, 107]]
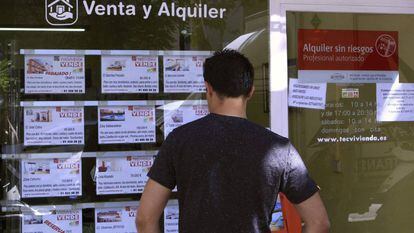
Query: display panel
[[54, 74], [126, 124], [307, 95], [53, 126], [177, 116], [129, 74], [109, 220], [52, 221], [122, 175], [51, 177], [395, 102], [183, 74], [171, 217]]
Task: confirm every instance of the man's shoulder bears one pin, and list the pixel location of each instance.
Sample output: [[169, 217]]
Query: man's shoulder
[[192, 125], [248, 127], [251, 126], [268, 133], [189, 128]]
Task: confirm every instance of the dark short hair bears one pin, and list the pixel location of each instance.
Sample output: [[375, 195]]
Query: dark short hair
[[230, 73]]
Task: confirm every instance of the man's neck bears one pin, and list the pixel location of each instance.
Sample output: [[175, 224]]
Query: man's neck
[[229, 107]]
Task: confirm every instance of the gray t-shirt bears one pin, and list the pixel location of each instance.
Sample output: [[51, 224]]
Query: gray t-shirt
[[228, 172]]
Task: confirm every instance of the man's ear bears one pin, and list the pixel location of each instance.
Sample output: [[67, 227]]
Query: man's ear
[[209, 89], [251, 93]]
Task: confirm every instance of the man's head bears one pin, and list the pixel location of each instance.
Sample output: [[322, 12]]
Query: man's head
[[230, 74]]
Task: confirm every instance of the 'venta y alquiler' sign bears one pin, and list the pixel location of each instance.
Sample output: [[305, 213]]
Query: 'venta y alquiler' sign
[[66, 12]]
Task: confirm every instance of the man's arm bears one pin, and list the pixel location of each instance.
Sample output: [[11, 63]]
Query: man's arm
[[314, 215], [151, 206]]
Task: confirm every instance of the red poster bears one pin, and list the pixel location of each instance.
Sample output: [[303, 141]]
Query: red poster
[[347, 56]]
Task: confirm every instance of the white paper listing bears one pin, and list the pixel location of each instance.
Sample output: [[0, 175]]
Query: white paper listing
[[395, 102], [53, 126], [126, 124], [122, 175], [54, 74], [51, 177], [54, 221], [129, 74], [183, 74], [115, 220], [171, 218], [307, 95], [174, 118]]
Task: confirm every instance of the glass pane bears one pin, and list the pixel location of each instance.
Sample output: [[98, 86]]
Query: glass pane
[[358, 144], [90, 89]]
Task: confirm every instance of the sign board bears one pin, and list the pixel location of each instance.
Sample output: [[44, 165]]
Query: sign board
[[51, 177], [126, 124], [54, 74], [347, 56], [119, 220], [129, 74], [53, 221], [122, 175], [53, 126], [181, 115], [184, 74]]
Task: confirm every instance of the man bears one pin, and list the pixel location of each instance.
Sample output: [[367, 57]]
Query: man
[[228, 170]]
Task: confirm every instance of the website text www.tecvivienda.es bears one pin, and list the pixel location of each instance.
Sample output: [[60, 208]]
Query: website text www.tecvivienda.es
[[354, 138]]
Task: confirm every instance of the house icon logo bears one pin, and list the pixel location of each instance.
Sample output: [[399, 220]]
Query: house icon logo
[[61, 12]]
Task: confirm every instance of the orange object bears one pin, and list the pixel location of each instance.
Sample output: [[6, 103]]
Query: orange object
[[291, 218]]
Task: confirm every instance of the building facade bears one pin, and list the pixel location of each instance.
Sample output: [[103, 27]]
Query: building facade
[[90, 89]]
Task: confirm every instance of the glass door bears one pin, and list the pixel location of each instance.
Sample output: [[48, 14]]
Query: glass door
[[348, 109]]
